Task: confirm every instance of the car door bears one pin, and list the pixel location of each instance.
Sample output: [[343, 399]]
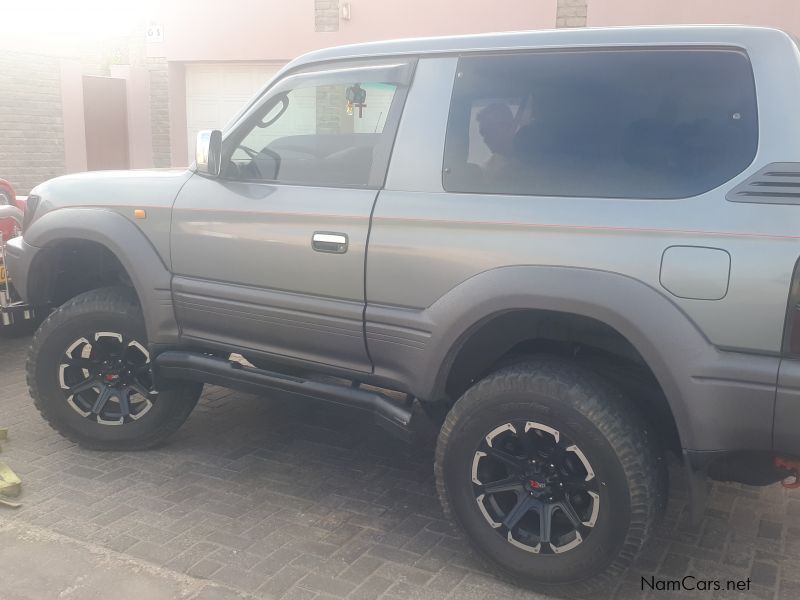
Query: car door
[[269, 257]]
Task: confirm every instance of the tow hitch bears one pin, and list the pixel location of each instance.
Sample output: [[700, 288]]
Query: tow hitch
[[13, 311], [792, 481]]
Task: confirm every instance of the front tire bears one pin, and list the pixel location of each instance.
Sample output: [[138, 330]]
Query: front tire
[[90, 376], [551, 474]]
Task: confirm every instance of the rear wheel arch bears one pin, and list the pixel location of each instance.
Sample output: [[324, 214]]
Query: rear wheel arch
[[515, 336], [638, 322]]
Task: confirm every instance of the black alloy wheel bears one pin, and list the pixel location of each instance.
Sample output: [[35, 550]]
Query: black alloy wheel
[[107, 378], [552, 474], [535, 487], [91, 377]]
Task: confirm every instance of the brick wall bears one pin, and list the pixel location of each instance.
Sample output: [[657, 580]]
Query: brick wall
[[326, 15], [571, 13], [31, 127], [159, 111]]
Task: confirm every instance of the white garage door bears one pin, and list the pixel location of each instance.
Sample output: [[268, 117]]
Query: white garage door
[[216, 92]]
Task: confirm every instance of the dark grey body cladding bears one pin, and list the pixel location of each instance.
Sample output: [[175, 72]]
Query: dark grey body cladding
[[787, 408], [308, 328], [720, 400]]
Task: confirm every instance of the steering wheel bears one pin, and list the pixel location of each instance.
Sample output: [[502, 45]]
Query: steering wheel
[[255, 155], [249, 151]]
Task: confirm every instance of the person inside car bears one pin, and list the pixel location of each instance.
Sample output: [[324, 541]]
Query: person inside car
[[497, 127]]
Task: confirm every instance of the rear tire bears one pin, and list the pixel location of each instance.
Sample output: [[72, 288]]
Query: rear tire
[[89, 375], [547, 437]]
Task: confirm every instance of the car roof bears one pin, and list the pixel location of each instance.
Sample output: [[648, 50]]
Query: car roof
[[738, 35], [741, 36]]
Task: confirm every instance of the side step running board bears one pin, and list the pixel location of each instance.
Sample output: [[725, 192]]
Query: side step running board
[[195, 366]]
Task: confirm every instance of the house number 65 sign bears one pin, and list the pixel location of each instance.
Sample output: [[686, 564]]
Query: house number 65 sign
[[155, 33]]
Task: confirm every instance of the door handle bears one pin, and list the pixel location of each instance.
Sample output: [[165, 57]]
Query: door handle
[[326, 241]]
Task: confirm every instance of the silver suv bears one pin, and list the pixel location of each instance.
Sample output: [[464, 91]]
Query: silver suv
[[573, 251]]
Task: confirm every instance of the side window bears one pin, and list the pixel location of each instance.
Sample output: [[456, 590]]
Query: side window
[[322, 135], [627, 124]]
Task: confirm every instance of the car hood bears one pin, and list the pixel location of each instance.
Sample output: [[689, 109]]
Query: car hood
[[146, 188]]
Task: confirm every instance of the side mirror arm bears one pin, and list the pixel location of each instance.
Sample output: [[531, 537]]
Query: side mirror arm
[[208, 152]]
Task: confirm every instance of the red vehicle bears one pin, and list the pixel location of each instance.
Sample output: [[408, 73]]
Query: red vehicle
[[15, 317], [8, 198]]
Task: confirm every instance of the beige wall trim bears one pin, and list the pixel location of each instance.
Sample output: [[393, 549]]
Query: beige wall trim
[[177, 114], [137, 93], [72, 112], [326, 15], [571, 13]]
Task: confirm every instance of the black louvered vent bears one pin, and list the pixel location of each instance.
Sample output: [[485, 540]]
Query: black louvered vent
[[777, 183]]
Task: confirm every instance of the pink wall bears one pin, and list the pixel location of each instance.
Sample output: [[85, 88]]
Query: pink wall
[[72, 114], [784, 14], [177, 115], [140, 130], [387, 19], [280, 30]]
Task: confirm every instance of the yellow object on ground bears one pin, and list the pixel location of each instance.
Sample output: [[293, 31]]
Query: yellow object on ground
[[10, 486], [10, 483]]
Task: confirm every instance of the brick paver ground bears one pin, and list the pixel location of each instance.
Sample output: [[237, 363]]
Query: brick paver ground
[[286, 500]]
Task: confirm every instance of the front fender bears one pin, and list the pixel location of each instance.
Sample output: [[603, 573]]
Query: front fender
[[149, 274], [720, 400]]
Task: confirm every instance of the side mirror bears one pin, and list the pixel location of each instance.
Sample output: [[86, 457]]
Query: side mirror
[[208, 152]]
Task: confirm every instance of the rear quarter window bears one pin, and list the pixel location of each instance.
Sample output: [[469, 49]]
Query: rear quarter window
[[628, 124]]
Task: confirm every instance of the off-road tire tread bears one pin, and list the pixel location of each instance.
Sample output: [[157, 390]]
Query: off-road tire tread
[[618, 421], [118, 300]]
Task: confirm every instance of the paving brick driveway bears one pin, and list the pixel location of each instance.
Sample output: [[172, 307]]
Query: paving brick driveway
[[284, 500]]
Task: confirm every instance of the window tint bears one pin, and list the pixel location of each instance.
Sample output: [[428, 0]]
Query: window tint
[[323, 135], [631, 124]]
